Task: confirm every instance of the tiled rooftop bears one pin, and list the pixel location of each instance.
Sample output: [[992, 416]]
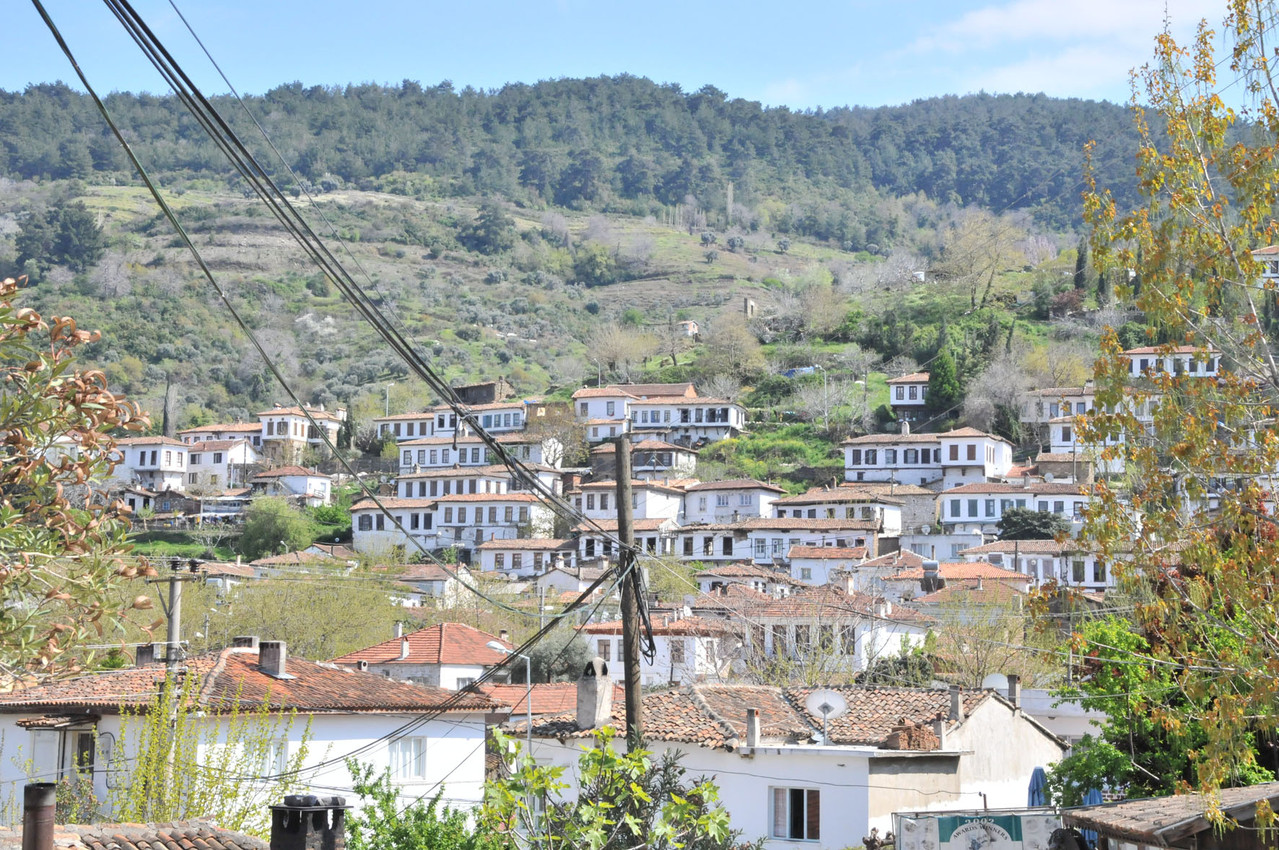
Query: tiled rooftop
[[446, 643], [133, 836]]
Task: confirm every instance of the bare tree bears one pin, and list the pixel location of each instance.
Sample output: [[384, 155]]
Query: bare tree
[[726, 387], [978, 247], [994, 397], [731, 349], [621, 350]]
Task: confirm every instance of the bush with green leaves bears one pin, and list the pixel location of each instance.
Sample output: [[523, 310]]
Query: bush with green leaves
[[383, 822]]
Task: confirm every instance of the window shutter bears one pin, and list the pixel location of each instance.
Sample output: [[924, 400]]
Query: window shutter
[[814, 813]]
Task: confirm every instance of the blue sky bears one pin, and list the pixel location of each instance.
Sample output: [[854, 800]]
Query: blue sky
[[801, 55]]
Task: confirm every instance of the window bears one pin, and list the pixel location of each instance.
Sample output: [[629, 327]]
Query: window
[[1065, 433], [408, 457], [414, 521], [779, 639], [508, 514], [408, 758], [584, 409], [523, 514], [900, 393], [972, 452], [914, 393], [603, 501], [590, 501], [972, 508], [610, 407], [604, 648], [801, 637], [797, 814], [854, 457], [701, 503], [744, 500], [1077, 571], [448, 516], [990, 507], [688, 547], [1099, 572], [492, 515], [805, 573], [461, 515], [677, 651], [955, 509], [366, 522], [421, 456], [761, 548], [721, 500], [499, 561], [517, 560], [871, 454], [195, 461], [191, 479], [910, 456], [848, 639], [1059, 507], [954, 452], [890, 456], [727, 547]]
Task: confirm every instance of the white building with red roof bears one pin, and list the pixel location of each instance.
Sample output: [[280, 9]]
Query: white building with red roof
[[846, 502], [526, 556], [793, 781], [220, 464], [440, 452], [729, 501], [670, 413], [905, 585], [251, 431], [688, 650], [903, 457], [156, 463], [446, 655], [287, 432], [908, 396], [1064, 562], [818, 565], [405, 426], [1188, 360], [650, 500], [295, 483], [767, 540], [983, 504], [75, 727]]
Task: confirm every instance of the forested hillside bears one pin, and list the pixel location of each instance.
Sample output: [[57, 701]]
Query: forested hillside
[[620, 144], [558, 233]]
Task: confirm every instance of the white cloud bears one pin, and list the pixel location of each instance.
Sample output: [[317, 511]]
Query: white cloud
[[1085, 71]]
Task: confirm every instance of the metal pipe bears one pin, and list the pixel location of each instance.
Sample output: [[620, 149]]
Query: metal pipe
[[38, 803]]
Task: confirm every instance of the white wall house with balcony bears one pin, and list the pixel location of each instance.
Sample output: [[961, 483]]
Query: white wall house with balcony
[[908, 396], [984, 503], [156, 463], [287, 432], [905, 458], [729, 501], [969, 455], [220, 464], [1185, 360], [405, 426]]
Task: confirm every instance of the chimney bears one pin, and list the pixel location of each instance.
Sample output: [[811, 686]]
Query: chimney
[[404, 648], [38, 805], [145, 655], [307, 822], [1014, 690], [939, 727], [594, 696], [980, 586], [752, 727], [273, 656], [905, 428], [932, 580], [956, 703], [504, 636], [244, 642], [882, 607], [399, 630]]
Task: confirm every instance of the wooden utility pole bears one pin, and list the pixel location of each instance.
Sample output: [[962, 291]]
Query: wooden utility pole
[[627, 566]]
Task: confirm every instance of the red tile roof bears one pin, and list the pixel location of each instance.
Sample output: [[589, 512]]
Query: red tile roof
[[297, 411], [968, 593], [1173, 349], [290, 558], [536, 544], [696, 626], [137, 836], [446, 643], [969, 432], [237, 427], [745, 569], [391, 503], [601, 392], [684, 390], [714, 716], [610, 525], [828, 553], [894, 438], [231, 674], [289, 471], [830, 495], [401, 417], [215, 445], [151, 441], [488, 497], [912, 378], [788, 524], [1025, 547], [964, 571], [736, 484], [548, 697]]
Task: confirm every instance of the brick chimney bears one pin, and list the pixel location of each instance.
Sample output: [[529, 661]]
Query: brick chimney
[[244, 642], [594, 696], [273, 658], [145, 655], [399, 630], [307, 822]]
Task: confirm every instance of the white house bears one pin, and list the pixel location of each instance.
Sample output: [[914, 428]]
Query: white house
[[657, 459], [905, 458], [296, 483], [766, 540], [817, 565], [446, 655], [74, 727], [1047, 560], [373, 534], [845, 502], [969, 455], [287, 432], [1188, 360], [595, 539], [525, 557], [689, 650], [729, 501], [1043, 405], [906, 584], [220, 464], [908, 396], [405, 426], [649, 500], [766, 580], [790, 779], [156, 463], [469, 519], [687, 421], [984, 503], [251, 431], [499, 417], [437, 452], [443, 481]]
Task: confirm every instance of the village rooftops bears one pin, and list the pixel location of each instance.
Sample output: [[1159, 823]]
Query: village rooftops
[[295, 558], [903, 558], [967, 593], [402, 417], [787, 524], [827, 553], [734, 484], [392, 503], [215, 445], [234, 675], [153, 441], [636, 484], [695, 626], [233, 427], [828, 602], [315, 413], [893, 439], [965, 571], [1170, 349], [610, 525], [744, 569], [518, 438], [526, 544], [523, 498], [548, 697], [714, 716], [830, 495], [445, 643], [136, 836], [1024, 547], [994, 487], [289, 472]]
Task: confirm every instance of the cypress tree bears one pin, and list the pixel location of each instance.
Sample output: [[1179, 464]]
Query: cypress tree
[[1081, 266], [944, 391]]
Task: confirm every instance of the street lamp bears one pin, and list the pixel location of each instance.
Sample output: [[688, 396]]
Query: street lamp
[[825, 398], [496, 646], [388, 398]]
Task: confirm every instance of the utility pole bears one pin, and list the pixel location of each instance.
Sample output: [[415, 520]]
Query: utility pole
[[630, 599], [173, 641]]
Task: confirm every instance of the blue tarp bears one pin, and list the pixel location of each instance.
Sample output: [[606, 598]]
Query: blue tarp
[[1038, 792]]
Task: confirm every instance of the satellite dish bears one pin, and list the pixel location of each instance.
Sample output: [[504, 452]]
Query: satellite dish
[[826, 704], [995, 682]]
